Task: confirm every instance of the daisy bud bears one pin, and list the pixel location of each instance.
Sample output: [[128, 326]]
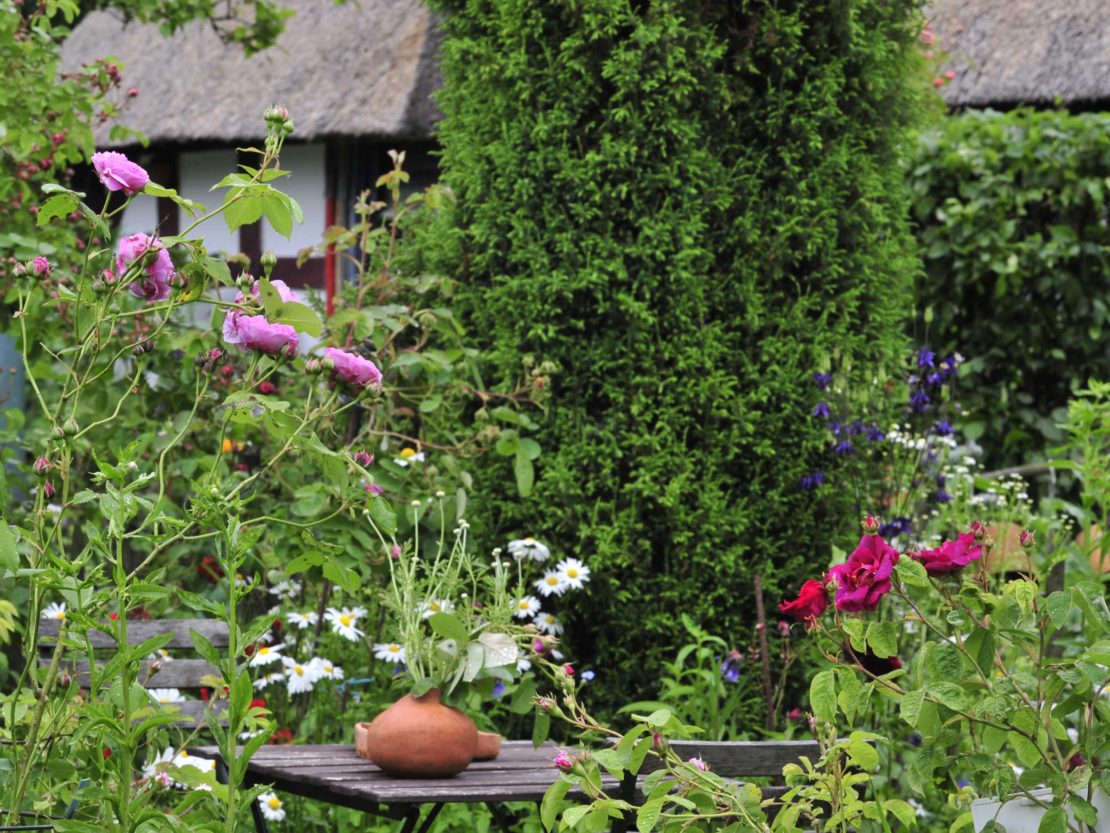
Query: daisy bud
[[544, 703], [870, 525], [1027, 539], [41, 465], [155, 667], [58, 432], [65, 679]]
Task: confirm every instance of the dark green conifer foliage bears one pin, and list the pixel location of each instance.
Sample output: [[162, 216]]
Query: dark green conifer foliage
[[689, 207]]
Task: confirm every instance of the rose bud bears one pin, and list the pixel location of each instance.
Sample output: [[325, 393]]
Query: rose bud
[[870, 525]]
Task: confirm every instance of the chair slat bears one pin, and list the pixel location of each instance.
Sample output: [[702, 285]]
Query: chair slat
[[178, 673], [744, 758], [139, 631]]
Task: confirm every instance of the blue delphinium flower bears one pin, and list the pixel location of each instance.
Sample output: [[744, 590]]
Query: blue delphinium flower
[[498, 689], [844, 447], [943, 429], [822, 380], [822, 410], [919, 401], [874, 434], [813, 480], [896, 526], [730, 666], [926, 357]]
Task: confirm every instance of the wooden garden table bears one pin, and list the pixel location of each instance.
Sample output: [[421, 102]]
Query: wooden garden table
[[334, 774]]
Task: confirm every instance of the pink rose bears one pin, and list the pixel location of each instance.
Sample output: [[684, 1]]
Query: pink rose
[[40, 266], [865, 577], [949, 556], [812, 600], [158, 270], [352, 369], [254, 332], [117, 172]]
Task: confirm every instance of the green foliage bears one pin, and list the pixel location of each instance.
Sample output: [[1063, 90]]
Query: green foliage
[[686, 209], [1011, 212]]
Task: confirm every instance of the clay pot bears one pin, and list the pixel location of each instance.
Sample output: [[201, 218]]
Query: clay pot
[[1099, 551], [362, 736], [420, 737], [489, 746]]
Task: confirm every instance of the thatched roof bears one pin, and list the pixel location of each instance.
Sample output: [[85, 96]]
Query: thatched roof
[[1008, 52], [362, 68]]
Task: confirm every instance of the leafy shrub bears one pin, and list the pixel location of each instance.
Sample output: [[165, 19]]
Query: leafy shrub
[[686, 209], [1011, 211]]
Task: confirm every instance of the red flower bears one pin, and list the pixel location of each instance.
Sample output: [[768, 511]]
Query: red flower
[[872, 664], [949, 556], [258, 703], [812, 600], [266, 387], [106, 752], [210, 569], [865, 577], [282, 736]]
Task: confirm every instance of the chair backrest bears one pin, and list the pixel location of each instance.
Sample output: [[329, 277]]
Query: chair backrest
[[747, 758], [174, 670]]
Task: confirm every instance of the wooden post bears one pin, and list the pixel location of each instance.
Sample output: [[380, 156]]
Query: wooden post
[[764, 656]]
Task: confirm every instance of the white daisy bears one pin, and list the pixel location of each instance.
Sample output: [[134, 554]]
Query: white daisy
[[271, 807], [528, 548], [573, 572], [266, 679], [242, 581], [266, 654], [389, 651], [550, 583], [184, 759], [326, 670], [409, 455], [155, 770], [166, 695], [547, 623], [523, 664], [162, 655], [286, 589], [435, 606], [301, 677], [527, 607], [343, 622], [303, 620], [54, 611]]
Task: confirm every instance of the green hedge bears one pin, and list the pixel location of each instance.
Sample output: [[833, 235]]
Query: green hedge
[[688, 208], [1012, 213]]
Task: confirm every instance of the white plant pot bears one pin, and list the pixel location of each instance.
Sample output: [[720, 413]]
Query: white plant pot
[[1022, 815]]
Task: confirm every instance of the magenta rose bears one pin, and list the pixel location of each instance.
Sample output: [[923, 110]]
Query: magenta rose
[[352, 369], [812, 600], [154, 285], [40, 266], [254, 332], [865, 577], [118, 173], [949, 556]]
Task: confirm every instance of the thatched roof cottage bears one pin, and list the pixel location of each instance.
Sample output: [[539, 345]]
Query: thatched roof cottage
[[1011, 52], [356, 77]]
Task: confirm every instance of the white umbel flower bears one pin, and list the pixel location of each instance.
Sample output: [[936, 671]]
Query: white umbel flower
[[303, 621], [527, 608], [547, 623], [266, 654], [271, 807], [550, 583], [54, 611], [528, 548], [389, 651], [573, 572], [166, 695], [343, 622]]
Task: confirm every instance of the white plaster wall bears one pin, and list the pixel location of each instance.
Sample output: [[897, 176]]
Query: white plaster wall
[[305, 184], [197, 172], [141, 215]]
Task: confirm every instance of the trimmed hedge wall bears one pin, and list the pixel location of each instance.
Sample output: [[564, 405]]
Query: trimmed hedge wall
[[1012, 211], [688, 208]]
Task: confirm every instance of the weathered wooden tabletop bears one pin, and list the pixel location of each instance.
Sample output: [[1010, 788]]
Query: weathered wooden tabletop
[[334, 773]]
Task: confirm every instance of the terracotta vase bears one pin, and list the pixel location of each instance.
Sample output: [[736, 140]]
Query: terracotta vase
[[489, 746], [420, 737]]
